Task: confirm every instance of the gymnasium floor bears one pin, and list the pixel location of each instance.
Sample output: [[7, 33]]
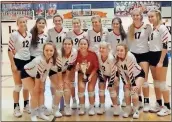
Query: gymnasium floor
[[7, 101]]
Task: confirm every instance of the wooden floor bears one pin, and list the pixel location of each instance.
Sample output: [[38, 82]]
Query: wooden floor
[[7, 101]]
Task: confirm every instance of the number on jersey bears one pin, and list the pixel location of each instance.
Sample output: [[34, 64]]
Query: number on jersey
[[152, 36], [118, 40], [26, 43], [137, 35], [41, 41], [124, 67], [76, 41], [59, 39], [97, 39], [103, 68]]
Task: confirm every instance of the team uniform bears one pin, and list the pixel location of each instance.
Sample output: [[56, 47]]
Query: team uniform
[[76, 37], [20, 45], [114, 39], [139, 46], [37, 68], [158, 41], [129, 69], [95, 38], [107, 69], [36, 51], [57, 37]]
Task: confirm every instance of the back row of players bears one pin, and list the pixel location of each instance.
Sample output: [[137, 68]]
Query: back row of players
[[106, 55]]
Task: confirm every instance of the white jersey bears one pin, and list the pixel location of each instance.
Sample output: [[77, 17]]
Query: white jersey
[[158, 38], [128, 68], [95, 38], [113, 39], [20, 44], [140, 43], [64, 63], [39, 66], [107, 68], [76, 37], [57, 37], [36, 51]]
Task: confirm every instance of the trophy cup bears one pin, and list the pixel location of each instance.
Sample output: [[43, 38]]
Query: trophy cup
[[84, 67]]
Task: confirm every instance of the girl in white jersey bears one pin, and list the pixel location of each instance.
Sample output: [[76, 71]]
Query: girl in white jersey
[[107, 71], [19, 55], [34, 75], [56, 35], [76, 34], [117, 36], [39, 38], [138, 35], [68, 56], [158, 45], [132, 76], [97, 34]]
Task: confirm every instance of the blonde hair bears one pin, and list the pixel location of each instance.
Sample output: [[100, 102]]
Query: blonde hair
[[103, 43], [21, 17], [158, 16], [99, 18], [131, 27], [126, 50], [76, 19], [58, 15]]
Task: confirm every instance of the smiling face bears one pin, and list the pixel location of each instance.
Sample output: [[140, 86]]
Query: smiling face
[[58, 22], [41, 25], [67, 45], [96, 23], [152, 17], [136, 16], [104, 49], [121, 52], [21, 23], [76, 24], [83, 45], [48, 51], [115, 25]]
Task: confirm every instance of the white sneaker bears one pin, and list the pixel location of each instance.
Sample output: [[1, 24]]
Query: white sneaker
[[17, 112], [42, 116], [101, 110], [74, 104], [117, 110], [136, 114], [141, 105], [57, 112], [82, 110], [164, 111], [146, 107], [123, 103], [68, 111], [127, 111], [46, 111], [91, 111], [34, 114], [27, 109], [34, 118], [155, 108]]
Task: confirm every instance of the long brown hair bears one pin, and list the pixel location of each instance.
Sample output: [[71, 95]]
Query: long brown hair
[[131, 27], [55, 51], [126, 50], [62, 49], [34, 32]]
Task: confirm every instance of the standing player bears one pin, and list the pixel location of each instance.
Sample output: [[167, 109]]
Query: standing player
[[138, 35], [34, 75], [132, 76], [97, 34], [39, 38], [87, 65], [56, 35], [115, 37], [158, 64], [107, 71], [76, 34], [19, 55]]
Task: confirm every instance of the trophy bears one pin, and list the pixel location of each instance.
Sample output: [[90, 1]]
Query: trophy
[[84, 67]]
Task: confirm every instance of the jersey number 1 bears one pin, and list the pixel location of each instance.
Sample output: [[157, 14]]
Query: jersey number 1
[[26, 43]]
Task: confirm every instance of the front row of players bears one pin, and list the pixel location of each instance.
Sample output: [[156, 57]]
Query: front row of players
[[88, 64]]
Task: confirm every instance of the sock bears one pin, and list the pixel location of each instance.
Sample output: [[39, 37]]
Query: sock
[[159, 102], [26, 102], [91, 106], [16, 104], [146, 100], [102, 104], [74, 99], [140, 98], [167, 105]]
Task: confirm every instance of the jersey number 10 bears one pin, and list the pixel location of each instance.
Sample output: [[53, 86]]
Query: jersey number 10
[[97, 39]]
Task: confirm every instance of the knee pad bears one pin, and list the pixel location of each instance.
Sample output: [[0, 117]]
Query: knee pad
[[81, 94], [113, 94], [59, 93], [163, 86], [91, 94], [156, 84], [145, 84], [101, 92], [73, 84], [17, 88], [134, 95], [66, 90]]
